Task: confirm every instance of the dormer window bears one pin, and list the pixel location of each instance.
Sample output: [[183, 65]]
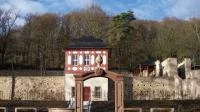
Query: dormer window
[[74, 59], [86, 59]]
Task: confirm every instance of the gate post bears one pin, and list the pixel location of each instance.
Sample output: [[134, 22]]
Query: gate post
[[119, 88], [79, 96], [119, 96]]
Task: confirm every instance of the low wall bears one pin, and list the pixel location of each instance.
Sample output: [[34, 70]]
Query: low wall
[[30, 85], [147, 105], [39, 87], [150, 88], [5, 87], [169, 88]]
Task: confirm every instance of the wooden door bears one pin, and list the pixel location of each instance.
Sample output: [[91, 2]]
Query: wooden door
[[86, 96]]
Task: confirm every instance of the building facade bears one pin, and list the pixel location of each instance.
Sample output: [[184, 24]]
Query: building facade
[[80, 56]]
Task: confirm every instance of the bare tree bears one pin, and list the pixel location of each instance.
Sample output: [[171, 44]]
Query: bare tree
[[196, 38], [7, 21]]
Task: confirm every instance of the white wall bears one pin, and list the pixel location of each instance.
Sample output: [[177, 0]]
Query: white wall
[[96, 82], [170, 67], [92, 83], [69, 83]]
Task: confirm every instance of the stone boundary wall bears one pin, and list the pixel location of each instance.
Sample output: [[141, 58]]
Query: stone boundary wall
[[31, 73], [147, 105], [39, 88], [35, 87], [172, 80], [152, 88], [5, 87]]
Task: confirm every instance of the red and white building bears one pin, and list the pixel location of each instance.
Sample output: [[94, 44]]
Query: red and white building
[[80, 56]]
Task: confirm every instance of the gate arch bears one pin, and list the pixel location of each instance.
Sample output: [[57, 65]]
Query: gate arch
[[119, 87]]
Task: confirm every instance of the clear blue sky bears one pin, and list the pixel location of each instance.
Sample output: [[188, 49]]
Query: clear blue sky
[[143, 9]]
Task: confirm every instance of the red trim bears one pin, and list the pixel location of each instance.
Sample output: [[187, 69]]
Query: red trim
[[82, 65], [85, 48]]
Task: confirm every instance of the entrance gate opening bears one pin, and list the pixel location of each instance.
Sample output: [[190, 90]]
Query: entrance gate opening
[[119, 87]]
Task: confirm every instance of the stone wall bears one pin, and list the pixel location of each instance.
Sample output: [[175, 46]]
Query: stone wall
[[30, 85], [169, 67], [188, 82], [168, 88], [165, 84], [151, 88], [39, 88], [195, 74], [5, 87], [172, 81], [31, 73], [148, 105]]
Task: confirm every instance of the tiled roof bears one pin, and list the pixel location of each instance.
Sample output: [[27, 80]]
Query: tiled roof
[[86, 42]]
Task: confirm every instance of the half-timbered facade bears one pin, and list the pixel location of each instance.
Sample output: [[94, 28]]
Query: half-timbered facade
[[80, 56]]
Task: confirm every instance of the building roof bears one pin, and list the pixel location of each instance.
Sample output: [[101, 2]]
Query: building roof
[[86, 42]]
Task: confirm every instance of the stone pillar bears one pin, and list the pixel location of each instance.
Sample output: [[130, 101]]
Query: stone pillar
[[187, 67], [177, 87], [79, 96], [158, 68], [119, 96]]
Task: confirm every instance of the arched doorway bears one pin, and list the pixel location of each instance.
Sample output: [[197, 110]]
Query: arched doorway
[[119, 87]]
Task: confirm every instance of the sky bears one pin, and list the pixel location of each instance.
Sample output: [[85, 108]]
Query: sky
[[143, 9]]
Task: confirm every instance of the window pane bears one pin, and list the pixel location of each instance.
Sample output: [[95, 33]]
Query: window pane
[[74, 59], [86, 59], [98, 92]]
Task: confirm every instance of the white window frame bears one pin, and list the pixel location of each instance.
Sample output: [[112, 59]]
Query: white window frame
[[28, 108], [152, 109], [130, 109], [4, 108], [86, 59], [58, 109], [74, 59], [95, 92]]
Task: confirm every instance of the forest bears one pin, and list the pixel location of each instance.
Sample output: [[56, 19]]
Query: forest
[[41, 41]]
